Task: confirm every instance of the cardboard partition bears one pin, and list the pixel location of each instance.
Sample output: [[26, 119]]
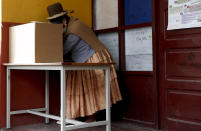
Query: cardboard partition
[[35, 43]]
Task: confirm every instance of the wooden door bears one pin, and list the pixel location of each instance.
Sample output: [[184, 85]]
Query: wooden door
[[179, 73]]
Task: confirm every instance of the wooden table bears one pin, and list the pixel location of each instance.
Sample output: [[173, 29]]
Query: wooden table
[[62, 67]]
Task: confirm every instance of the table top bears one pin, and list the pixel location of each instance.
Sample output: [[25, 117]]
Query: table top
[[58, 64]]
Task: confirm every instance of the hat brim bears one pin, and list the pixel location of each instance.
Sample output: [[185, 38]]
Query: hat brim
[[57, 15]]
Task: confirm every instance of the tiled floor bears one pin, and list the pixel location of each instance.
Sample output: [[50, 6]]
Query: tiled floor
[[116, 126]]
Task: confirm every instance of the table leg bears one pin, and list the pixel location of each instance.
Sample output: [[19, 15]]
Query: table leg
[[107, 84], [63, 98], [47, 95], [8, 99]]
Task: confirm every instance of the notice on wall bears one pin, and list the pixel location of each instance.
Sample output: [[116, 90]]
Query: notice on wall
[[184, 14]]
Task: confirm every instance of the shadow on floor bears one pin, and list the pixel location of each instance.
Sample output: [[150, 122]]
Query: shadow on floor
[[116, 126]]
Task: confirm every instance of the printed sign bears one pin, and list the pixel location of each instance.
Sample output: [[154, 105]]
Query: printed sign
[[184, 14]]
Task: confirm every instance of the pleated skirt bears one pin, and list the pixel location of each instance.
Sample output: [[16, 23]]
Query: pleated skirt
[[85, 90]]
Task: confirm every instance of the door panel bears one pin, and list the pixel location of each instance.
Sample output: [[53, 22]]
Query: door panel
[[179, 74], [139, 102], [184, 104], [183, 64]]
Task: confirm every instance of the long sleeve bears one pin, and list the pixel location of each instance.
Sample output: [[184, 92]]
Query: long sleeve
[[70, 42], [78, 49]]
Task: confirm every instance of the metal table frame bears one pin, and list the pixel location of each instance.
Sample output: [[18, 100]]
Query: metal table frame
[[62, 67]]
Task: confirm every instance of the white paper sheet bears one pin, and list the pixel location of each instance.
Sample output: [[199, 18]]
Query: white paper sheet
[[184, 14], [139, 49]]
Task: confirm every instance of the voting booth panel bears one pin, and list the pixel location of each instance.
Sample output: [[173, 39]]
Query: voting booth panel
[[35, 43]]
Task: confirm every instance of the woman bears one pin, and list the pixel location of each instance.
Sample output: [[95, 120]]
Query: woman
[[85, 92]]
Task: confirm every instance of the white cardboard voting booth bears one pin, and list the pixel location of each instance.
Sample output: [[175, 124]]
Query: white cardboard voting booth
[[35, 43]]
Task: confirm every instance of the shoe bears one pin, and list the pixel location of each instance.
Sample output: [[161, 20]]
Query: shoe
[[91, 118]]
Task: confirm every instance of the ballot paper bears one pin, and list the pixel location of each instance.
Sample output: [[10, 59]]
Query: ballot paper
[[184, 14]]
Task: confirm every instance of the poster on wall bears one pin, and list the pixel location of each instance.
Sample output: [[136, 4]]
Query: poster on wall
[[184, 14]]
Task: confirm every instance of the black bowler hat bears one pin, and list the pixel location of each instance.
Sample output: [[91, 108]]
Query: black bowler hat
[[55, 11]]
